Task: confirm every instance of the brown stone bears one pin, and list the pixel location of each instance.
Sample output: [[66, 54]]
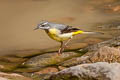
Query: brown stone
[[12, 76], [47, 70], [61, 67]]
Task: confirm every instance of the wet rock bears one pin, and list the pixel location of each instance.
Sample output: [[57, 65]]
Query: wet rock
[[26, 69], [95, 71], [12, 59], [12, 76], [112, 43], [41, 76], [75, 61], [49, 59], [47, 70], [5, 66], [37, 76], [104, 54]]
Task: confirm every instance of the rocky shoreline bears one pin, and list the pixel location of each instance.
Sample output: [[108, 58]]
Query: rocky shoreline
[[97, 62]]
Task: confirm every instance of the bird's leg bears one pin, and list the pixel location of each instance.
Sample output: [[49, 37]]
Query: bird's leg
[[67, 42], [61, 48]]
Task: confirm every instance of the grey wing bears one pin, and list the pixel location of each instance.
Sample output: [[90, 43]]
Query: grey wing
[[58, 26], [66, 28], [63, 28]]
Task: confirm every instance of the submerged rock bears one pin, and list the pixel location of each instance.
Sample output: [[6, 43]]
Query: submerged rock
[[95, 71]]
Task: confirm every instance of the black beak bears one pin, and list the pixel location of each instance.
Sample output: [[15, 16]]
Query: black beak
[[36, 28]]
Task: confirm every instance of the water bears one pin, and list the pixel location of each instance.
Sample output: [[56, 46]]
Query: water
[[19, 18]]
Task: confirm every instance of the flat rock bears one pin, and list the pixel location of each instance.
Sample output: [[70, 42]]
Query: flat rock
[[7, 66], [95, 71], [49, 59]]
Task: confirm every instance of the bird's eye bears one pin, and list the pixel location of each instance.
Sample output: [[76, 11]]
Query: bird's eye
[[42, 25]]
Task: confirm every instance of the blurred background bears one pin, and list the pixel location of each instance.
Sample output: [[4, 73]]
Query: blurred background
[[18, 18]]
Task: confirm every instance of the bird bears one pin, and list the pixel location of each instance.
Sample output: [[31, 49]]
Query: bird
[[61, 32]]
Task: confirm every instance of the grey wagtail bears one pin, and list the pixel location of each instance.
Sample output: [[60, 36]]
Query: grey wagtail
[[60, 32]]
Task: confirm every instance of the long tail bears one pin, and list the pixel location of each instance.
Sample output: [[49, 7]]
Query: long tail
[[83, 32]]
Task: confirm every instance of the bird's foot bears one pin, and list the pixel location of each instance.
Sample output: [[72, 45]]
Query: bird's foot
[[60, 51]]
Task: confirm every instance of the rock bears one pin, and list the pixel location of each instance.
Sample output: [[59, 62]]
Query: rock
[[48, 59], [75, 61], [7, 66], [32, 53], [112, 42], [95, 71], [61, 68], [104, 54], [36, 76], [47, 70], [12, 59], [1, 78], [12, 76]]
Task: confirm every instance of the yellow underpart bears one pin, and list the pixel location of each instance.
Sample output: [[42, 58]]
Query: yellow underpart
[[54, 31], [77, 32], [56, 35]]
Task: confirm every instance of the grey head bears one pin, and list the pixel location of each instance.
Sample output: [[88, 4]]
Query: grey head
[[43, 25]]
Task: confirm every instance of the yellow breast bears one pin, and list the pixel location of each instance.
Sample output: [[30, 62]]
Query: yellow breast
[[56, 35]]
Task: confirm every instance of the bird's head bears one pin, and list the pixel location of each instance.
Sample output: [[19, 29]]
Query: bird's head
[[43, 25]]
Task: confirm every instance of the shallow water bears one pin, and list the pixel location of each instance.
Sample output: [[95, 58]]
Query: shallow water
[[19, 18]]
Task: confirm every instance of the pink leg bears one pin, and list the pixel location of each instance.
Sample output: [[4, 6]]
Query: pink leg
[[61, 48], [67, 41]]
